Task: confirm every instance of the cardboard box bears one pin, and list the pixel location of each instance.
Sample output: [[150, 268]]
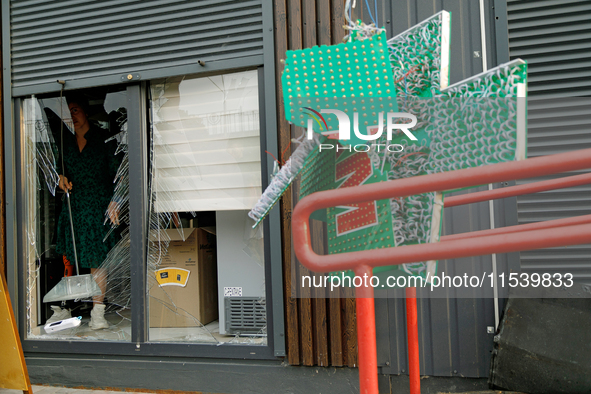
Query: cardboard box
[[187, 293]]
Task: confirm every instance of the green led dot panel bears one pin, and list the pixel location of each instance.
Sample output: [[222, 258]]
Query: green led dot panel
[[313, 77]]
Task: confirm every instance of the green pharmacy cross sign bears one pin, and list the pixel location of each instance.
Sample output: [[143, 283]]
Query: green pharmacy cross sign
[[375, 110]]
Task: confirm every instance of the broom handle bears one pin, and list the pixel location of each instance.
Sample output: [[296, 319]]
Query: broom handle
[[64, 171], [73, 236]]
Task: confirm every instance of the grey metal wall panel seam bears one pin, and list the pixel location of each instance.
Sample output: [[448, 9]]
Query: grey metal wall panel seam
[[274, 221], [9, 161]]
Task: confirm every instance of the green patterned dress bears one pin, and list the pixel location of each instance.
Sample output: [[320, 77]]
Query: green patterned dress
[[92, 173]]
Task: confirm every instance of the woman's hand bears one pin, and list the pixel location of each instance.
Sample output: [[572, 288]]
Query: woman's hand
[[64, 184], [113, 211]]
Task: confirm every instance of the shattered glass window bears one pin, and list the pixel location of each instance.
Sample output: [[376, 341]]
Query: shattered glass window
[[205, 262], [76, 222]]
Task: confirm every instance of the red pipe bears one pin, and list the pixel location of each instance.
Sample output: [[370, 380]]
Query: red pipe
[[522, 227], [490, 244], [452, 180], [519, 190], [366, 335], [500, 243], [454, 248], [412, 333]]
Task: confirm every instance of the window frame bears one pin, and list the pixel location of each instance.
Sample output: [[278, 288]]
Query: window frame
[[138, 124]]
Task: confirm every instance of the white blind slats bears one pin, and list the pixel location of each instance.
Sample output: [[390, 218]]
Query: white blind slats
[[233, 147], [207, 143], [191, 160], [242, 198], [172, 133], [212, 182]]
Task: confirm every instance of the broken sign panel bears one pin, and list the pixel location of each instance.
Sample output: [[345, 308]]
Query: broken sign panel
[[475, 122]]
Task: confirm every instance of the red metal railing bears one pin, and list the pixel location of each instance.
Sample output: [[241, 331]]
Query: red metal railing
[[511, 191], [502, 240]]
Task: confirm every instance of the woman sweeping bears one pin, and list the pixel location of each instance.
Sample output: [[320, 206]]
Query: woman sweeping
[[90, 166]]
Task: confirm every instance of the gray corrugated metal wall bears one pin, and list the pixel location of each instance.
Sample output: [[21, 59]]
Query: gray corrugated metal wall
[[453, 338], [78, 39], [555, 39]]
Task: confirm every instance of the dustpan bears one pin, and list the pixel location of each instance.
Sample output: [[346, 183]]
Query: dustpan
[[77, 286], [73, 287]]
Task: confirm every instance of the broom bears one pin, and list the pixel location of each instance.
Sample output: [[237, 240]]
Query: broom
[[77, 286]]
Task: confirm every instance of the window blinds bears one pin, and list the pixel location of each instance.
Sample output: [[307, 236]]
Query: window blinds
[[206, 143]]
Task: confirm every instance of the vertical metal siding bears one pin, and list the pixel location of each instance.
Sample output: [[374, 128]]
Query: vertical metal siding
[[76, 39], [554, 36], [453, 339]]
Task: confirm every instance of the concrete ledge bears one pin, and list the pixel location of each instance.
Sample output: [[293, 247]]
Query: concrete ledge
[[209, 376]]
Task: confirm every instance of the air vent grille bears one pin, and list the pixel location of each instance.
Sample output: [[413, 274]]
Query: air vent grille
[[245, 315]]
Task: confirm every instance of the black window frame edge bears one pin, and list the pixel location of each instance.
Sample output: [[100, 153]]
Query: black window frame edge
[[498, 28], [9, 159], [139, 345]]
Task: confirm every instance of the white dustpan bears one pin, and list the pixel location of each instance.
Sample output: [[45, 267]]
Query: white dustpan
[[73, 287]]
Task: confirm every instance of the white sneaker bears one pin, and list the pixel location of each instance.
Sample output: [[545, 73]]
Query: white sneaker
[[59, 314], [97, 317]]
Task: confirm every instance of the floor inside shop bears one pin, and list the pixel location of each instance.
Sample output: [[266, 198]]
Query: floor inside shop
[[120, 330]]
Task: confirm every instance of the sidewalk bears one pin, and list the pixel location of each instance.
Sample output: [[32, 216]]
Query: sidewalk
[[64, 390]]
